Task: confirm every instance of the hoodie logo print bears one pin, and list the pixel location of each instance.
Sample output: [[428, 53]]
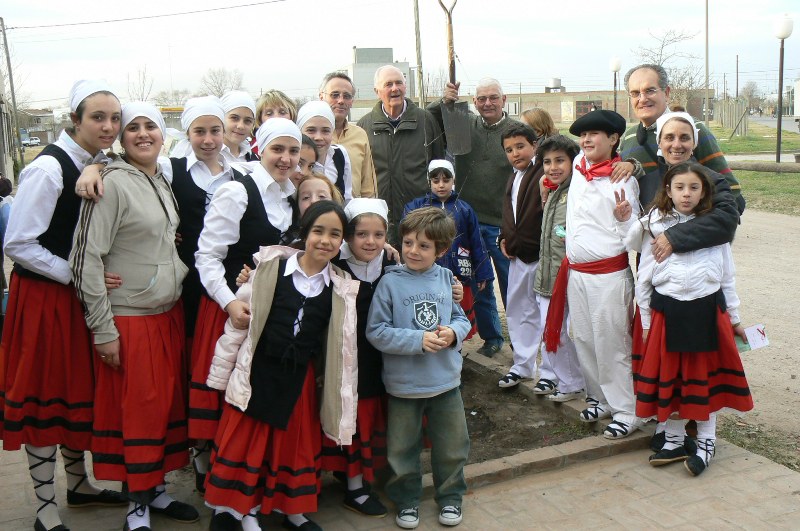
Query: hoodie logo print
[[426, 315]]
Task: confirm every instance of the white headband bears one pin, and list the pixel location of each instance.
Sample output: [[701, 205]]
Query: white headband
[[664, 118], [237, 98], [203, 106], [84, 88], [134, 109], [366, 205], [312, 109], [274, 128]]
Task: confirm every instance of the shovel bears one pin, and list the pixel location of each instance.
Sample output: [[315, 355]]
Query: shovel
[[456, 115]]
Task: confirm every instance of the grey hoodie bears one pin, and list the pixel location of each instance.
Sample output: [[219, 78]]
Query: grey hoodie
[[407, 304]]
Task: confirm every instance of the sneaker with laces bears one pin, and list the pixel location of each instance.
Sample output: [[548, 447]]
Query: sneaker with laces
[[407, 518], [509, 380], [489, 349], [558, 396], [450, 515]]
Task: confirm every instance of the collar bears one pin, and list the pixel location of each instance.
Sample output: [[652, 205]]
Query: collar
[[264, 181], [293, 266], [405, 107], [191, 160], [372, 269], [76, 150], [497, 123], [244, 149]]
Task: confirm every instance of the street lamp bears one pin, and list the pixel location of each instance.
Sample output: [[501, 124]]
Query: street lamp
[[783, 29], [615, 65]]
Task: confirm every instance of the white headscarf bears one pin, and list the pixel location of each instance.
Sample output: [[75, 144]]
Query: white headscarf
[[664, 118], [312, 109], [134, 109], [367, 205], [274, 128], [235, 99], [84, 88], [203, 106]]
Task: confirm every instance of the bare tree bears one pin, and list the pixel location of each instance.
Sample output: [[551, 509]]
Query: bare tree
[[171, 98], [434, 83], [752, 94], [218, 81], [140, 86]]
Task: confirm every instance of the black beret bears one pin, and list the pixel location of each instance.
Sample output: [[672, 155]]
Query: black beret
[[600, 120]]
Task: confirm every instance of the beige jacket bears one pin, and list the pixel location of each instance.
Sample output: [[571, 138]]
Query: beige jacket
[[355, 141], [233, 356], [131, 231]]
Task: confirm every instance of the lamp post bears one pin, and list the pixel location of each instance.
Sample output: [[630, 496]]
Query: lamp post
[[783, 29], [615, 65]]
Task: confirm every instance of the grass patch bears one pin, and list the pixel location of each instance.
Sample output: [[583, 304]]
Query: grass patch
[[771, 192], [782, 448], [760, 138]]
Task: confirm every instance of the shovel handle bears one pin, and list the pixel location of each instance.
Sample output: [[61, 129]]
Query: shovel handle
[[450, 52]]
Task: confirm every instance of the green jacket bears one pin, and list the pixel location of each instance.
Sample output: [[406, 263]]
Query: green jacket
[[401, 155], [552, 248]]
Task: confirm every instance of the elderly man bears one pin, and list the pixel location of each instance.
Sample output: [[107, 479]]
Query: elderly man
[[482, 175], [404, 139], [338, 92]]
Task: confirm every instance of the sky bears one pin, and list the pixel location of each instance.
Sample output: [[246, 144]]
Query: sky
[[291, 44]]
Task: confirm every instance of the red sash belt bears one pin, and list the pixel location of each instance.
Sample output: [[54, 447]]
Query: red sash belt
[[558, 301]]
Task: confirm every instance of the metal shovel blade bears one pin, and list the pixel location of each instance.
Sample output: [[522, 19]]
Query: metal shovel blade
[[456, 118]]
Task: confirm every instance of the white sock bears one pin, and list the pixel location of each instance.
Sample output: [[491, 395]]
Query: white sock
[[661, 426], [297, 519], [250, 523], [42, 466], [674, 433], [162, 499], [355, 483], [75, 468], [138, 516], [202, 454], [706, 438]]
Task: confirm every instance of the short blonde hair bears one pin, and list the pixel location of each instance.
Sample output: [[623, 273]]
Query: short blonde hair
[[541, 121], [275, 98], [336, 195]]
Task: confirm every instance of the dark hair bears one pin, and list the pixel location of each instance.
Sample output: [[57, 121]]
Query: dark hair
[[558, 143], [314, 211], [663, 77], [519, 129], [335, 75], [436, 224], [306, 140], [81, 108], [5, 186], [350, 229], [663, 203]]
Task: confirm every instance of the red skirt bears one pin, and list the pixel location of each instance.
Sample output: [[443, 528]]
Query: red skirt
[[637, 351], [205, 403], [140, 417], [46, 376], [692, 384], [468, 305], [254, 464], [368, 451]]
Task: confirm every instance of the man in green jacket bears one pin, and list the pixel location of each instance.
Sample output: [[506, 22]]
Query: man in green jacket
[[404, 139]]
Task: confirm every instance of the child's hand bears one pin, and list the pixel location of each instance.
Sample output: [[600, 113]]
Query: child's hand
[[447, 334], [391, 253], [543, 190], [458, 290], [112, 280], [431, 342], [239, 312], [645, 333], [661, 248], [178, 239], [623, 210], [90, 184], [622, 171], [739, 331], [482, 285], [243, 276]]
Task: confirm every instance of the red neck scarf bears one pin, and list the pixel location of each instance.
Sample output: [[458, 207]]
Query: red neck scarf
[[601, 169], [550, 185]]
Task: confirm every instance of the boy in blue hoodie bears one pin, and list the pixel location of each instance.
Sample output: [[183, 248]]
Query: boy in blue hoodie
[[414, 321]]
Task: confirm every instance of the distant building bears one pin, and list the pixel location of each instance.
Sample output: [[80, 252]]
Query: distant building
[[39, 123]]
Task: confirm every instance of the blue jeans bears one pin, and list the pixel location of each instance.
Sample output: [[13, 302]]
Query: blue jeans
[[447, 430], [485, 303]]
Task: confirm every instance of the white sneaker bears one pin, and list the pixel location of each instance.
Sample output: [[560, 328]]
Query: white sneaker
[[558, 396], [408, 518], [450, 515]]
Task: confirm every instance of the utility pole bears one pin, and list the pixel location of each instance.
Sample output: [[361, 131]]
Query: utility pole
[[21, 160], [420, 84], [708, 94], [737, 76]]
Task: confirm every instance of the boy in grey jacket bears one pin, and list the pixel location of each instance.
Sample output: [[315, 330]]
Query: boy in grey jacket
[[414, 321]]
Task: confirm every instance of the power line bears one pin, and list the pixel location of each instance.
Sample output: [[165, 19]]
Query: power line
[[147, 17]]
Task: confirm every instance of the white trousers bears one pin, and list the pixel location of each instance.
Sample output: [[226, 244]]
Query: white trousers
[[601, 311], [525, 321], [564, 361]]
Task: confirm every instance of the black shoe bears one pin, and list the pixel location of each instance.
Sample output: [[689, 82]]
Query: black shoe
[[696, 464], [372, 506], [657, 441], [39, 526], [104, 498], [308, 525], [665, 457], [489, 349], [224, 522], [178, 511]]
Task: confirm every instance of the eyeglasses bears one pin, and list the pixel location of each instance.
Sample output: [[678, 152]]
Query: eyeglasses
[[494, 98], [346, 96], [647, 93]]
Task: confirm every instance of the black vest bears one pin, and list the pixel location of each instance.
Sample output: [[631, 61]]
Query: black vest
[[338, 161], [58, 237], [280, 359]]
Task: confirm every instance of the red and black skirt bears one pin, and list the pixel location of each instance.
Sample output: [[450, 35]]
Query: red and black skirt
[[205, 403], [140, 414], [468, 305], [46, 375], [254, 464], [368, 451], [691, 384]]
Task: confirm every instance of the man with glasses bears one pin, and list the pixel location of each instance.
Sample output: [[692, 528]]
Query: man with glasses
[[337, 91], [482, 176], [404, 138], [648, 88]]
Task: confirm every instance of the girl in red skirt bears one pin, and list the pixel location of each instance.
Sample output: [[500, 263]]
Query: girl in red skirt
[[46, 382], [303, 311], [691, 367], [363, 256], [139, 431]]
